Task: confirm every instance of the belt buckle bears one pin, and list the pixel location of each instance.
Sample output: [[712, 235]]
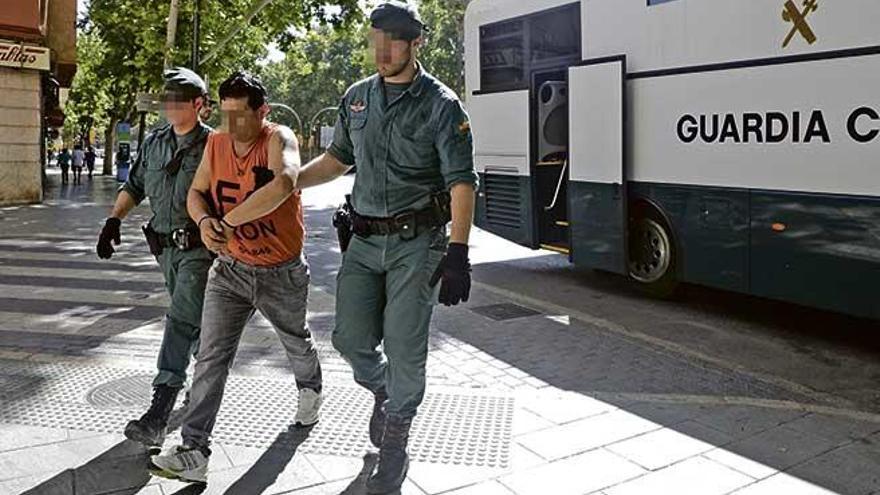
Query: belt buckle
[[406, 223], [180, 237]]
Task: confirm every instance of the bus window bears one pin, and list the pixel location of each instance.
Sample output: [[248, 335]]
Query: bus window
[[554, 35], [507, 59], [502, 65]]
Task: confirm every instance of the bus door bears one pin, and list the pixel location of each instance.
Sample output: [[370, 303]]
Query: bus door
[[597, 202], [549, 158]]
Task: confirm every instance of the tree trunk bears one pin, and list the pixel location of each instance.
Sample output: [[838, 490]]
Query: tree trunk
[[172, 32], [109, 144]]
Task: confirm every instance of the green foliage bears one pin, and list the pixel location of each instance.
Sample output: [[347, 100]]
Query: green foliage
[[318, 67], [443, 53], [89, 92], [122, 51], [321, 63]]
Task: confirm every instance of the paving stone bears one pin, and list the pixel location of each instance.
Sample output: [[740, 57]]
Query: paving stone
[[851, 469], [54, 457], [659, 448], [525, 421], [783, 484], [261, 477], [563, 407], [744, 421], [586, 434], [781, 447], [696, 476], [741, 464], [835, 428], [486, 488], [439, 478], [576, 475], [16, 437]]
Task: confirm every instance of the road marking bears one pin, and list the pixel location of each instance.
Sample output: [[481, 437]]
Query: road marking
[[711, 400]]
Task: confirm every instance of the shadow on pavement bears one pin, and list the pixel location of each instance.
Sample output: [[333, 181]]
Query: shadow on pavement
[[263, 473], [121, 470], [358, 486]]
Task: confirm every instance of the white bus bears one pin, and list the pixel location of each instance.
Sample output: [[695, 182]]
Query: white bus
[[733, 144]]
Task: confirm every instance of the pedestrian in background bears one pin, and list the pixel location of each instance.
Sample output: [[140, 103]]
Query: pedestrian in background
[[64, 163], [90, 160], [79, 158]]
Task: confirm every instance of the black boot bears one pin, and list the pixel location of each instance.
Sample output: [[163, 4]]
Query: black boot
[[377, 420], [151, 427], [393, 463]]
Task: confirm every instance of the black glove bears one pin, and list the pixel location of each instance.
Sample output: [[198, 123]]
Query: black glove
[[110, 232], [455, 271]]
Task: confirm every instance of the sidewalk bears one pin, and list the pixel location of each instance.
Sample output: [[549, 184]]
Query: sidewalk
[[522, 399]]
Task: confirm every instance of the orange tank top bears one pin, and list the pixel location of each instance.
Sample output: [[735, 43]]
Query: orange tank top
[[269, 240]]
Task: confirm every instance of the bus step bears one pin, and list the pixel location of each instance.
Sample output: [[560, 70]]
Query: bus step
[[556, 248]]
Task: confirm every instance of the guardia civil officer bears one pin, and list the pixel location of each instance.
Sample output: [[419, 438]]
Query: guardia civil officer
[[162, 173], [410, 139]]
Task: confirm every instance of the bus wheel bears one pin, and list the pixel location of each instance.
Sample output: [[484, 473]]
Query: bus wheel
[[652, 254]]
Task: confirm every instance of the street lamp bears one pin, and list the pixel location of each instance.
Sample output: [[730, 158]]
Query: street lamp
[[296, 115]]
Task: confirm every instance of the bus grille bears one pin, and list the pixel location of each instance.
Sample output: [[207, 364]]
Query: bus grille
[[503, 201]]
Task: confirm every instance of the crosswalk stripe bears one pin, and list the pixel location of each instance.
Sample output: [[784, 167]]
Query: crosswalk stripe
[[85, 274], [138, 260], [84, 296]]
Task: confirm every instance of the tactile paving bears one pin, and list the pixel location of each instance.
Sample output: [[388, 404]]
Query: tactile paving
[[462, 428]]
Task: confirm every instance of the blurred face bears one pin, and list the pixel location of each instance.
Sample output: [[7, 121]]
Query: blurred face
[[392, 56], [180, 109], [240, 120]]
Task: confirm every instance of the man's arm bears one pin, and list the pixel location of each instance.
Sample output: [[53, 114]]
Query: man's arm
[[463, 201], [338, 159], [212, 232], [123, 206], [284, 161], [321, 170]]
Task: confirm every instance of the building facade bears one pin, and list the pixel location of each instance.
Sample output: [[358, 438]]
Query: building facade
[[37, 62]]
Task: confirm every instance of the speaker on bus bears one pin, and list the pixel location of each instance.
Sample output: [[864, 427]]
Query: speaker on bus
[[552, 120]]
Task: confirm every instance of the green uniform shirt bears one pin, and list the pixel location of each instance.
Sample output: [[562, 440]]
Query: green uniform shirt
[[406, 149], [167, 193]]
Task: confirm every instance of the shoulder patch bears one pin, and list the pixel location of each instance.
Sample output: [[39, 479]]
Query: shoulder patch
[[358, 106], [464, 127]]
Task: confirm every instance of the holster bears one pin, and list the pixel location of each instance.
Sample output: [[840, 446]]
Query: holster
[[153, 240], [342, 222]]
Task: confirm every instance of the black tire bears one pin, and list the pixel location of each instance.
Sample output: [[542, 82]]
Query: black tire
[[653, 255]]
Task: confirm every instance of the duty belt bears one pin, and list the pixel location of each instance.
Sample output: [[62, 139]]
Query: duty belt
[[408, 223], [183, 239]]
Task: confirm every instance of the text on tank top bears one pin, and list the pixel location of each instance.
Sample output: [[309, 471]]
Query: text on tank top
[[269, 240]]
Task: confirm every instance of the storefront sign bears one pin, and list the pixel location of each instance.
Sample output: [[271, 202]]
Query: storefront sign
[[23, 56]]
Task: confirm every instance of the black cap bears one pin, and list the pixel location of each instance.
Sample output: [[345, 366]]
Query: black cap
[[186, 82], [399, 19]]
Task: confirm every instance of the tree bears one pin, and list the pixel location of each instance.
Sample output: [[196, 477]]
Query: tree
[[443, 53], [318, 67], [133, 34], [89, 92]]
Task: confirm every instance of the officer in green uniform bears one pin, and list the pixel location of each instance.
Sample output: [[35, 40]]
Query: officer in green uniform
[[162, 173], [410, 139]]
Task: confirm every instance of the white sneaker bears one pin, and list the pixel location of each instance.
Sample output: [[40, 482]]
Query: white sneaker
[[308, 410], [183, 463]]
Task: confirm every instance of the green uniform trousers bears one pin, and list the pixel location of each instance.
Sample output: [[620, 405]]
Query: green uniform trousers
[[383, 296], [186, 273]]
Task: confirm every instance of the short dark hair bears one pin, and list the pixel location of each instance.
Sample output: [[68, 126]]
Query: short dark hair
[[242, 84]]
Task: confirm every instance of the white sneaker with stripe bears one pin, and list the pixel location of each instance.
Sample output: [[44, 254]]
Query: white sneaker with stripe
[[181, 462]]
